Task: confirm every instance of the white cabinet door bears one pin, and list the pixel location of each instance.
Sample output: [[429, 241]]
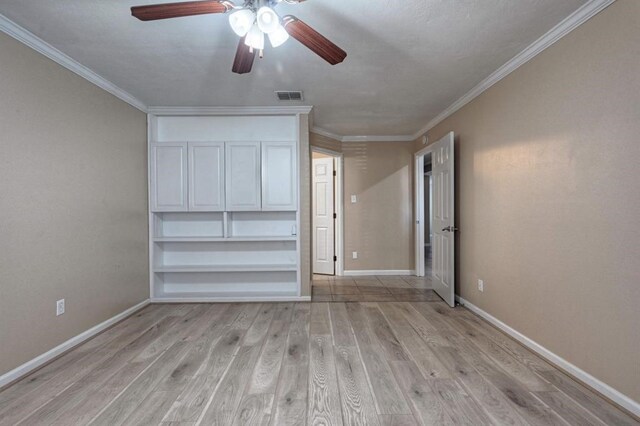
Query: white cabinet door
[[279, 176], [206, 176], [242, 176], [169, 177]]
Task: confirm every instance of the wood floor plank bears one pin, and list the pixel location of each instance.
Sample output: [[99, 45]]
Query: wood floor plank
[[460, 406], [425, 404], [254, 409], [265, 374], [232, 328], [70, 401], [426, 360], [568, 409], [132, 396], [380, 363], [60, 373], [290, 405], [388, 396], [341, 330], [511, 365], [323, 398], [595, 404], [397, 420], [224, 402], [385, 335], [358, 406]]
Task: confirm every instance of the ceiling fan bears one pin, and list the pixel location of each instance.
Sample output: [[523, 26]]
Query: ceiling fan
[[251, 21]]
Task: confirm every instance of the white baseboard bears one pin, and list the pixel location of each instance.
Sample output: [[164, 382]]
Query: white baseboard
[[379, 272], [586, 378], [248, 299], [38, 361]]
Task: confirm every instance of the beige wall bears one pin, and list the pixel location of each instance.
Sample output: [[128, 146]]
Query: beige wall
[[378, 226], [73, 222], [548, 165]]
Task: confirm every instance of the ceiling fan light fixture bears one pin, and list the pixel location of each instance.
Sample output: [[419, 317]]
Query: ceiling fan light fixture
[[241, 21], [268, 20], [278, 37], [255, 38]]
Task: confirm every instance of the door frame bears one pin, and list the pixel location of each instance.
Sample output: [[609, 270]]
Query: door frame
[[418, 185], [338, 205]]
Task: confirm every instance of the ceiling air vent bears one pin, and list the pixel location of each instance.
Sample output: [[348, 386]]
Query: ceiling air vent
[[285, 95]]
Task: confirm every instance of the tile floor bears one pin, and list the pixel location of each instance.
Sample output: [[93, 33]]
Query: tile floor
[[327, 288]]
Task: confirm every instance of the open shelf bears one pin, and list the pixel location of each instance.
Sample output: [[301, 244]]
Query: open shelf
[[227, 268], [221, 239]]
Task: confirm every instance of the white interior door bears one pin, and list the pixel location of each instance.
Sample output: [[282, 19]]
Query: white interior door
[[444, 219], [322, 215]]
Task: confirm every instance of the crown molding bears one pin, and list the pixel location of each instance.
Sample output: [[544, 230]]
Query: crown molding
[[570, 23], [22, 35], [212, 111], [364, 138]]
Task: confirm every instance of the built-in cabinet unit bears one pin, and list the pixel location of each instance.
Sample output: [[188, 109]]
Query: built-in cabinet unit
[[224, 208]]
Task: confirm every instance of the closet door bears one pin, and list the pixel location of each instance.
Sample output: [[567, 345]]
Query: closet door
[[279, 176], [206, 176], [242, 176], [169, 177]]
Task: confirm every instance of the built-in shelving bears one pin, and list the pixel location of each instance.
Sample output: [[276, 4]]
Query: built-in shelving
[[224, 208]]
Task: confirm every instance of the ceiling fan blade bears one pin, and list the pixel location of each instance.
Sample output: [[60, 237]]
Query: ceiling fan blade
[[243, 62], [315, 41], [176, 10]]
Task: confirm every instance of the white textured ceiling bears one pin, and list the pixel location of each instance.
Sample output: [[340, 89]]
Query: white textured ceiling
[[407, 60]]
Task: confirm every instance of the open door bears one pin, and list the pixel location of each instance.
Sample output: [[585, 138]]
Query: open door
[[444, 219], [323, 216]]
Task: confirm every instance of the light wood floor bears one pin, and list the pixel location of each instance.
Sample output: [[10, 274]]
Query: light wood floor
[[376, 363]]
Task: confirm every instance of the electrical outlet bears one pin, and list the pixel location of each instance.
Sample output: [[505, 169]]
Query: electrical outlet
[[354, 199], [481, 285], [59, 307], [355, 254]]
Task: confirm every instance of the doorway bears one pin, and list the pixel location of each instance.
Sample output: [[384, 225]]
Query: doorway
[[326, 212], [436, 215]]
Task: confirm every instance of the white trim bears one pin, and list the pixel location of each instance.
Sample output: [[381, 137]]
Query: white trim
[[378, 138], [221, 299], [354, 273], [570, 23], [362, 138], [22, 35], [599, 386], [222, 111], [38, 361], [326, 133]]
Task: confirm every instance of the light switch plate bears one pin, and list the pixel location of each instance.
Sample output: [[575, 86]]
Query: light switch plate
[[481, 285], [59, 307], [355, 254], [354, 199]]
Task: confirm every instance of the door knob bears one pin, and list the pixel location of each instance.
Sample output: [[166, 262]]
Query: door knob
[[449, 229]]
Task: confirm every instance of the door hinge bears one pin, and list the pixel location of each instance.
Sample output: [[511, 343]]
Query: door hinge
[[335, 258], [335, 173], [335, 215]]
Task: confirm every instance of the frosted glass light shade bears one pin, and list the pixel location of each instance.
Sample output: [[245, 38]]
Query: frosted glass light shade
[[255, 38], [268, 19], [279, 36], [241, 21]]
